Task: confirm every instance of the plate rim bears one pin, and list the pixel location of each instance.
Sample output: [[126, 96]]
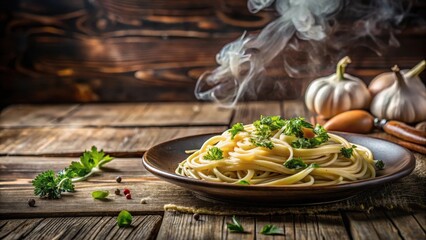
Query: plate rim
[[406, 169]]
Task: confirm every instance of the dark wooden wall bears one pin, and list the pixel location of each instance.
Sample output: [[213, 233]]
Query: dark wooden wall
[[137, 50]]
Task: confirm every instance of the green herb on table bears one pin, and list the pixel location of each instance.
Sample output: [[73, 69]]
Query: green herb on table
[[379, 164], [124, 219], [347, 152], [235, 226], [295, 163], [270, 229], [244, 182], [50, 185], [236, 128], [100, 194], [214, 153]]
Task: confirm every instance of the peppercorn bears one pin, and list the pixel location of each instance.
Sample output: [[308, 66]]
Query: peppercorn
[[31, 202], [128, 196], [126, 191], [117, 191], [196, 216], [143, 201], [118, 179]]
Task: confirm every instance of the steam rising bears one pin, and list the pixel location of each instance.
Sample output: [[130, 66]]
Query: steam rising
[[305, 38]]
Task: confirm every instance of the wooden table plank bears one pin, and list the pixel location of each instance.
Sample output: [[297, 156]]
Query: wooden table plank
[[116, 115], [295, 108], [182, 226], [376, 225], [295, 226], [149, 114], [73, 141], [143, 227], [407, 225], [251, 111], [34, 115]]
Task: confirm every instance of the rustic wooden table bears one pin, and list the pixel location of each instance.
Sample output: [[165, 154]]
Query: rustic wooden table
[[36, 138]]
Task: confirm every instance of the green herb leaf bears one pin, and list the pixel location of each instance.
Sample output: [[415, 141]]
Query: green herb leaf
[[293, 127], [236, 128], [314, 165], [295, 163], [48, 184], [100, 194], [214, 153], [124, 219], [235, 226], [321, 137], [262, 136], [243, 182], [270, 229], [347, 152], [379, 164]]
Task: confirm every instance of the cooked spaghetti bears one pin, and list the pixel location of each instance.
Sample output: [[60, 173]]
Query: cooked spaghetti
[[275, 151]]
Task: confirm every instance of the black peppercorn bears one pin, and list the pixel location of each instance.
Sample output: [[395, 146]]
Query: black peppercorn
[[117, 191], [196, 216], [31, 202], [118, 179]]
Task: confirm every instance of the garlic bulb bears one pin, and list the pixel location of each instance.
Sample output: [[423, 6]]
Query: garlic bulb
[[339, 92], [386, 79], [400, 101]]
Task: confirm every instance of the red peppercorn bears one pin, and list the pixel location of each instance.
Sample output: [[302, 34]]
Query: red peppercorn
[[126, 191], [128, 196]]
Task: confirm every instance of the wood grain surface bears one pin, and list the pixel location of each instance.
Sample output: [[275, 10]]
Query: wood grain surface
[[97, 51], [50, 137]]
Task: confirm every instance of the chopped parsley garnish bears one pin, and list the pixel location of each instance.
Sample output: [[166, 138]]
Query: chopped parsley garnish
[[293, 127], [51, 185], [244, 182], [295, 163], [379, 164], [321, 136], [347, 152], [270, 229], [236, 128], [235, 226], [214, 153], [264, 128]]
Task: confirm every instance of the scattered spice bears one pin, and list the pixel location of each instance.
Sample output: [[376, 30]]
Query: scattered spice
[[31, 202], [143, 201], [117, 191], [196, 216], [100, 194], [118, 179], [126, 191], [128, 196]]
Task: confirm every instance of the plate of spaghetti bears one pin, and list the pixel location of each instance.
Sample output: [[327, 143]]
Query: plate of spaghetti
[[278, 161]]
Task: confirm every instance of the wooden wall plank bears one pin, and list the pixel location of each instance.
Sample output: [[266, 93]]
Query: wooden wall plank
[[73, 141]]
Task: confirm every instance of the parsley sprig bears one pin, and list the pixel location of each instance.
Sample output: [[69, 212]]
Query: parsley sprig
[[270, 229], [264, 128], [214, 153], [235, 226], [295, 163], [321, 136], [50, 185], [379, 164], [236, 128], [347, 152]]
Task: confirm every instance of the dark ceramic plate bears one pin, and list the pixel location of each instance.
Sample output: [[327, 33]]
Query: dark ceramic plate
[[162, 160]]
